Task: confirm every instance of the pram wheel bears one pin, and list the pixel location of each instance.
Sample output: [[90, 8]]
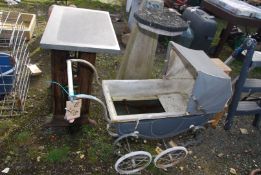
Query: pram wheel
[[133, 162], [170, 157]]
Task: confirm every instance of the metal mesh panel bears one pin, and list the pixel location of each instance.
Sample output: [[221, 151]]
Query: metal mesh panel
[[14, 58]]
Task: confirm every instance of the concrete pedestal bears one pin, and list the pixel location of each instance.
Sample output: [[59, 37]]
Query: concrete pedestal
[[139, 56]]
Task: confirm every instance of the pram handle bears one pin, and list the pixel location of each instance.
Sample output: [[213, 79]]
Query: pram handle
[[90, 97], [72, 96], [90, 65]]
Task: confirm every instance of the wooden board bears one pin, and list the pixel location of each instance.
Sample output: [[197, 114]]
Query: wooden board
[[34, 69], [222, 65], [28, 24], [227, 70], [173, 103]]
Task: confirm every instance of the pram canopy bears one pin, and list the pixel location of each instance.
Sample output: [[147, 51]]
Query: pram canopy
[[211, 88]]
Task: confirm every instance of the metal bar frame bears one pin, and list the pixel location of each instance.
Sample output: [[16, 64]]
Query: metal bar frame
[[13, 43]]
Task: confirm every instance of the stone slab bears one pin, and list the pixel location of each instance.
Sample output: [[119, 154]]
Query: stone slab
[[76, 29]]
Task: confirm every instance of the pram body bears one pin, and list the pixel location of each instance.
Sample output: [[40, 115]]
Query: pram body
[[192, 90]]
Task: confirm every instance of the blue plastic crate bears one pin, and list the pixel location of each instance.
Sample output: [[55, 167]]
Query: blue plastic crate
[[6, 74]]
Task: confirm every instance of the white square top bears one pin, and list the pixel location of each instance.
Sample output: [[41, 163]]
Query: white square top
[[76, 29]]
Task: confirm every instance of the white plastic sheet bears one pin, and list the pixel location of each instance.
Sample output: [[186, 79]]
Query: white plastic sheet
[[239, 8]]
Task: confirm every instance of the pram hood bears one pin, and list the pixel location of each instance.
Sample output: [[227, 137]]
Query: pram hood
[[211, 88]]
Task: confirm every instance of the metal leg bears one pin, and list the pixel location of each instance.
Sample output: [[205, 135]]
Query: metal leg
[[249, 45], [234, 102], [256, 121], [229, 122]]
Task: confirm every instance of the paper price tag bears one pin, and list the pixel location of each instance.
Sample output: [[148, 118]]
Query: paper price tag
[[73, 109]]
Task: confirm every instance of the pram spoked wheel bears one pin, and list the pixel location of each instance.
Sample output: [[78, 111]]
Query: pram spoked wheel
[[170, 157], [133, 162]]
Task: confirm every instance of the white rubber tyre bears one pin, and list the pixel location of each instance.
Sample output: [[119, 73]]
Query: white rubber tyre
[[170, 157], [133, 162]]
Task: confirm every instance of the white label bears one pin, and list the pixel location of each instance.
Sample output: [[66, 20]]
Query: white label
[[73, 109]]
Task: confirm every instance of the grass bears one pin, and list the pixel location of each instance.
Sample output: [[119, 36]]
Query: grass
[[100, 151], [154, 170], [100, 148], [59, 154], [221, 24], [23, 137], [92, 4], [5, 125], [89, 132], [97, 5], [34, 152]]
